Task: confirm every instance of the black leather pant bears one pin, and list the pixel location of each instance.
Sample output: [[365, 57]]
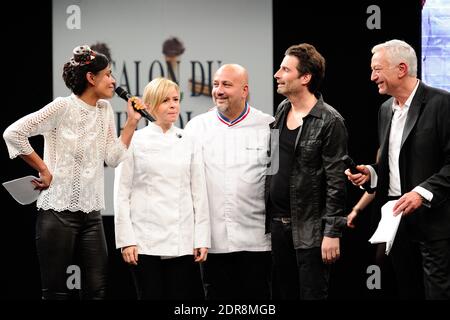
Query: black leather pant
[[72, 254]]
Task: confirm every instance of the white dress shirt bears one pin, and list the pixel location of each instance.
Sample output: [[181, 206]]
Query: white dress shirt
[[395, 139], [160, 199], [78, 140], [235, 157]]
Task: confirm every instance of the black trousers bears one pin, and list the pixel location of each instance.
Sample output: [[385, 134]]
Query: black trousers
[[299, 273], [406, 262], [422, 269], [72, 254], [167, 279], [240, 275], [436, 269]]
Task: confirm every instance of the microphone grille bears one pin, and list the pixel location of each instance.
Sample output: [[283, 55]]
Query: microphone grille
[[121, 92]]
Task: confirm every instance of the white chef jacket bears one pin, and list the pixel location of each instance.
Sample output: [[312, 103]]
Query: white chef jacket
[[160, 199], [235, 157]]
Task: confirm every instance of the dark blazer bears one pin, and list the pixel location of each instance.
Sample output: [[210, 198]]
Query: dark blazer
[[424, 160]]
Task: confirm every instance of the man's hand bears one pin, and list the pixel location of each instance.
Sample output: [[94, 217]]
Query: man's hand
[[358, 179], [330, 250], [408, 203]]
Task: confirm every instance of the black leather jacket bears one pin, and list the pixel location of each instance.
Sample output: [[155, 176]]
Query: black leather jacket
[[317, 181]]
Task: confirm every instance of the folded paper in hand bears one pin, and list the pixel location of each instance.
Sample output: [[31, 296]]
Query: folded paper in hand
[[22, 190], [387, 227]]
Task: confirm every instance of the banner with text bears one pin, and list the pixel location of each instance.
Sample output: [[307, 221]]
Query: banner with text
[[185, 40]]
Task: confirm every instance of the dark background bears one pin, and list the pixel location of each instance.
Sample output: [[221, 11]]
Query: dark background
[[337, 30]]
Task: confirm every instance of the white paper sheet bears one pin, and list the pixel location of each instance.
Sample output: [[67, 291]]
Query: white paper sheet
[[22, 190], [387, 227]]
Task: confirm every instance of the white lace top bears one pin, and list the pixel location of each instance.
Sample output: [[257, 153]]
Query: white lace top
[[78, 139]]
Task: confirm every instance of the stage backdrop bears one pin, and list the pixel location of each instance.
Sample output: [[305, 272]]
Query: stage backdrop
[[185, 40], [436, 43]]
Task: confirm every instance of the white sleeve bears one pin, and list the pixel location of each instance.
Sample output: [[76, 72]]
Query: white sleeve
[[39, 122], [116, 150], [123, 183], [373, 177], [428, 195], [202, 231]]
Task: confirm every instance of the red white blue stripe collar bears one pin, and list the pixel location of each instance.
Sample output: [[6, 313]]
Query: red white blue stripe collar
[[241, 117]]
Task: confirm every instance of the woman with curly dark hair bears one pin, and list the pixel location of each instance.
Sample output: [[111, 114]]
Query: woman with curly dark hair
[[79, 136]]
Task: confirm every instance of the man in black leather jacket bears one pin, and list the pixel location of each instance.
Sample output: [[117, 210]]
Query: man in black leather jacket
[[305, 198]]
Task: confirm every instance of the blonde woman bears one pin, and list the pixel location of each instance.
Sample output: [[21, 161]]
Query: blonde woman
[[161, 207]]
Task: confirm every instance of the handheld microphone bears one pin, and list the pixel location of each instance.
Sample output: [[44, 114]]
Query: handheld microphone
[[351, 165], [125, 96]]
